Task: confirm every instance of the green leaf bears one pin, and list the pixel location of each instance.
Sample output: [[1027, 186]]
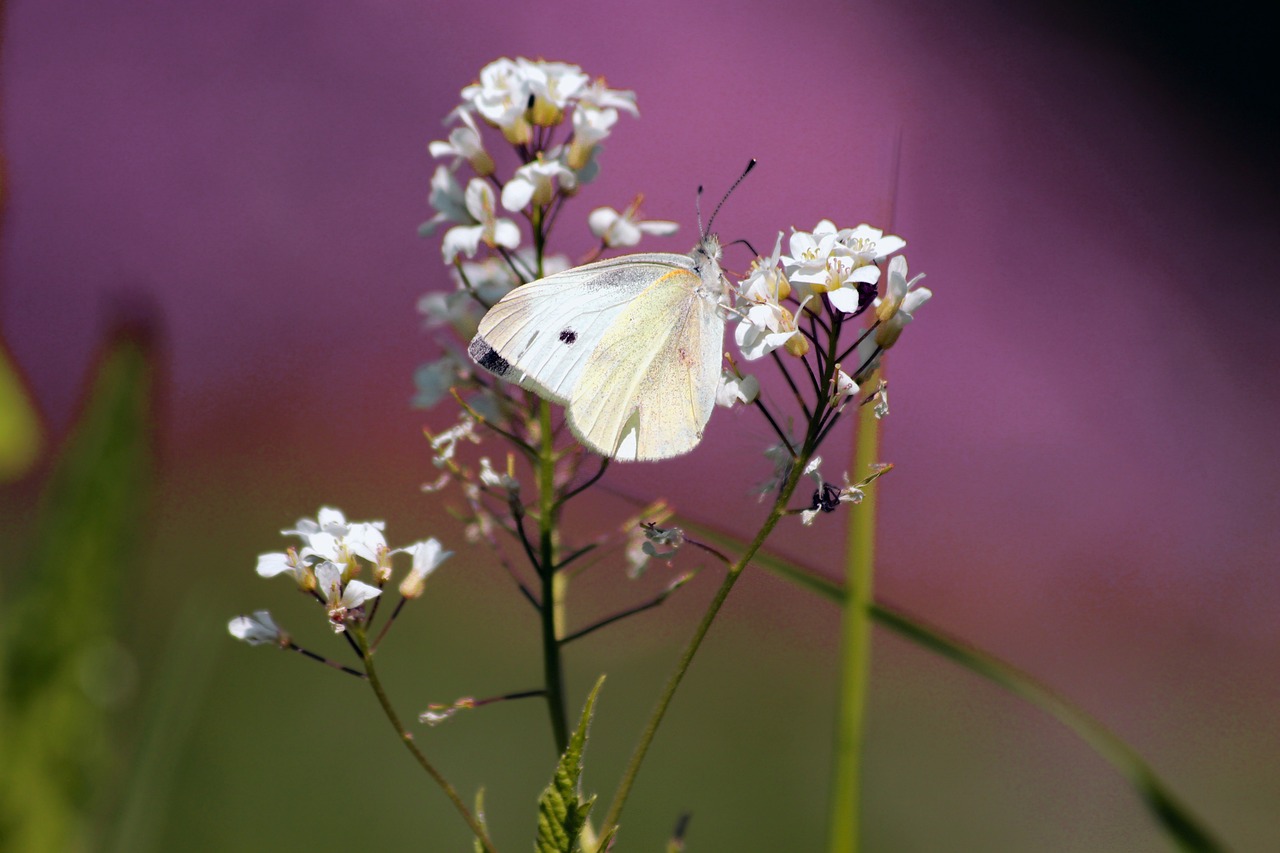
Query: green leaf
[[60, 662], [20, 435], [562, 812]]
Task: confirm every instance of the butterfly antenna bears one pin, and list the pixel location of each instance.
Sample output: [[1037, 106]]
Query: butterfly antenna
[[750, 165], [697, 206]]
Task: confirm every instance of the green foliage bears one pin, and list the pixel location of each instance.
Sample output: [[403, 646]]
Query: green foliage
[[562, 812], [58, 655], [20, 437]]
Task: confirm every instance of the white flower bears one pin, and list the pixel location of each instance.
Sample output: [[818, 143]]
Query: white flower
[[766, 282], [537, 182], [662, 544], [601, 97], [900, 302], [626, 228], [496, 480], [342, 599], [328, 520], [502, 98], [881, 409], [488, 229], [464, 143], [448, 200], [767, 326], [257, 629], [363, 539], [821, 262], [553, 85], [427, 555], [590, 127], [735, 389], [844, 388], [869, 244], [270, 565], [445, 445]]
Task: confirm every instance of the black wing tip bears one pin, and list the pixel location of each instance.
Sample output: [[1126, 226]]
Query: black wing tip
[[487, 357]]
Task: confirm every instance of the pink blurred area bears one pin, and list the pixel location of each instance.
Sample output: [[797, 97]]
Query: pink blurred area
[[1083, 417]]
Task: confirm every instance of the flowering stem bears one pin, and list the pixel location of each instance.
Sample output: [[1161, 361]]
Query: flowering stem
[[553, 582], [778, 510], [855, 647], [407, 739]]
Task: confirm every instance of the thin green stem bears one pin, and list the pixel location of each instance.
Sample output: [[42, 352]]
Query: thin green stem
[[855, 650], [778, 510], [406, 738]]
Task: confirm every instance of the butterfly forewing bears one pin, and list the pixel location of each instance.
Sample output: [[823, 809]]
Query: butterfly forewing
[[541, 334]]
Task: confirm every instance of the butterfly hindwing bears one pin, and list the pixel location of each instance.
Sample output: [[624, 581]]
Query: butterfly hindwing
[[541, 335], [648, 388]]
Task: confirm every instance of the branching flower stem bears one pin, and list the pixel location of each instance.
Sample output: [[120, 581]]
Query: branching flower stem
[[778, 510], [371, 673]]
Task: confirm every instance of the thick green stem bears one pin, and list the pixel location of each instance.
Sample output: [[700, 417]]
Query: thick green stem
[[855, 647], [553, 582], [406, 738]]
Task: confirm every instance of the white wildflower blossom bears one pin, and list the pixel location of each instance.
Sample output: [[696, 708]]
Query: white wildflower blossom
[[625, 229], [662, 544], [881, 409], [821, 262], [495, 479], [257, 629], [766, 282], [734, 389], [553, 85], [437, 714], [536, 183], [601, 97], [501, 97], [843, 389], [464, 143], [427, 556], [764, 328], [487, 228], [870, 245], [344, 600], [270, 565], [900, 302], [590, 127], [445, 445]]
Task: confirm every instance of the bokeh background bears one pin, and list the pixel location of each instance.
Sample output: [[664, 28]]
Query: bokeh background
[[1083, 418]]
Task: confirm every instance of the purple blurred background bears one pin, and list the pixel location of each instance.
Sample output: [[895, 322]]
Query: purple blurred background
[[1083, 418]]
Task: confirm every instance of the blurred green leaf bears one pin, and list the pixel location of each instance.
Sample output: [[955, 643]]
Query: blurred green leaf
[[20, 436], [562, 812], [60, 665]]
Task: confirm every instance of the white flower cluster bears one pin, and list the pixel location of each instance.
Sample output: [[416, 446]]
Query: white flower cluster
[[827, 270], [525, 100], [333, 554]]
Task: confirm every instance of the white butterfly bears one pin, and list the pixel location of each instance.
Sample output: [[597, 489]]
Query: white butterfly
[[630, 347]]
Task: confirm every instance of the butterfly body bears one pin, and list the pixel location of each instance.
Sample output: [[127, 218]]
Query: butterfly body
[[630, 346]]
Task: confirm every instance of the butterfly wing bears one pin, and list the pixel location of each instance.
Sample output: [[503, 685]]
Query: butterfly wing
[[541, 334], [648, 388]]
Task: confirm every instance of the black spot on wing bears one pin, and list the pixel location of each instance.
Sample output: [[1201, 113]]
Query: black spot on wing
[[568, 336], [487, 357]]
